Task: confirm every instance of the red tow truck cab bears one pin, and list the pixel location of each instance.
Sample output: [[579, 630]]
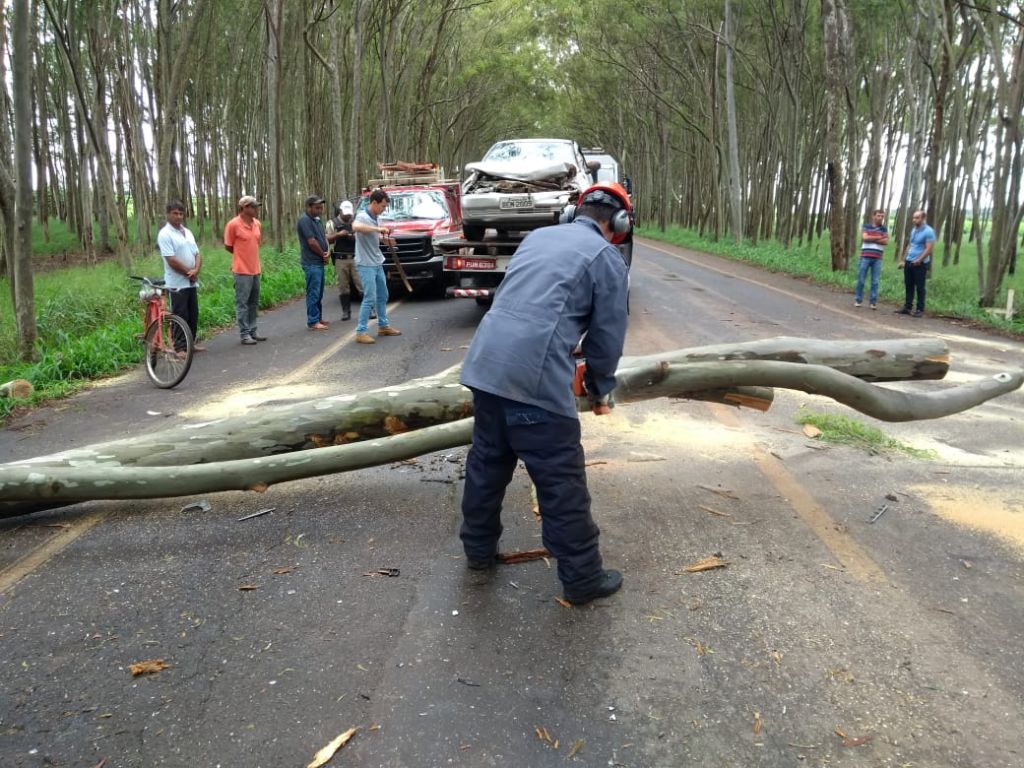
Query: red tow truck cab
[[423, 206]]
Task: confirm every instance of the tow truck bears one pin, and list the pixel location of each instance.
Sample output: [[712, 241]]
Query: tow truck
[[475, 268]]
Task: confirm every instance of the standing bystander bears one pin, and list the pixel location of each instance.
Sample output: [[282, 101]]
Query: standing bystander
[[914, 264], [874, 237], [370, 265], [343, 251], [182, 263], [242, 238], [314, 255]]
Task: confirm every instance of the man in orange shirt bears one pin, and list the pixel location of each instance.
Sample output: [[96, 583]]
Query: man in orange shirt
[[242, 238]]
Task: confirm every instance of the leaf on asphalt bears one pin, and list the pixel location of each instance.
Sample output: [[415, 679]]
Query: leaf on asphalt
[[811, 431], [757, 724], [283, 570], [575, 749], [713, 511], [325, 754], [390, 572], [776, 656], [101, 763], [709, 563], [545, 735], [699, 646], [563, 602], [148, 667], [248, 587], [523, 556], [725, 493], [197, 506]]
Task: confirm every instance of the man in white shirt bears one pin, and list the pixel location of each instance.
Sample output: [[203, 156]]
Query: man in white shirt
[[182, 263]]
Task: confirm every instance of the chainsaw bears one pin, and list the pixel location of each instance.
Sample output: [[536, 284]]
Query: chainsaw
[[601, 405]]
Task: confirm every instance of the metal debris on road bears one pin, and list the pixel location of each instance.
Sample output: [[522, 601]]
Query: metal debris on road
[[266, 511], [879, 513]]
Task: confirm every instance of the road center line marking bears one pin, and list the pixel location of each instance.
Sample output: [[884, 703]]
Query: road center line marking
[[316, 360], [843, 547], [847, 552], [29, 562], [873, 319]]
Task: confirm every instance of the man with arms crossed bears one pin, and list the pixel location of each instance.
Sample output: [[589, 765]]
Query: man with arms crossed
[[242, 238]]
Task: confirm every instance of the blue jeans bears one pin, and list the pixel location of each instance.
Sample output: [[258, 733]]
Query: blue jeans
[[314, 292], [875, 267], [549, 445], [375, 294]]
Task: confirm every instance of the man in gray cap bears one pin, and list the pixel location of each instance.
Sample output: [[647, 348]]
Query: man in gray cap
[[242, 238]]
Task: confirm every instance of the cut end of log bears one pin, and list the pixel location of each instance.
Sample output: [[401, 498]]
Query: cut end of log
[[259, 487], [18, 389]]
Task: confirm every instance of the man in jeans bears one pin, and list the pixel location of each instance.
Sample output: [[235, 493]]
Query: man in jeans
[[182, 263], [915, 264], [242, 238], [370, 265], [874, 238], [314, 255]]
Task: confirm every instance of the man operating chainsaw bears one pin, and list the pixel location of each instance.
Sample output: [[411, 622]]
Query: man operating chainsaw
[[563, 283]]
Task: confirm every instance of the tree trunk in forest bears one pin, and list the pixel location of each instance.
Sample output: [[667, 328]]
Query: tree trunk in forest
[[836, 35], [355, 135], [21, 261], [176, 55], [8, 191], [274, 12], [735, 190]]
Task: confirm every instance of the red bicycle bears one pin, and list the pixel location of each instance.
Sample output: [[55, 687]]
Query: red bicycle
[[167, 338]]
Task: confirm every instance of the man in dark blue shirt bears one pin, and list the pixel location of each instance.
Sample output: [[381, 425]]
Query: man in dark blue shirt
[[314, 255], [563, 282]]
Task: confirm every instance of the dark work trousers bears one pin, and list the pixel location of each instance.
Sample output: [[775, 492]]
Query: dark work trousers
[[549, 446], [914, 277], [185, 304]]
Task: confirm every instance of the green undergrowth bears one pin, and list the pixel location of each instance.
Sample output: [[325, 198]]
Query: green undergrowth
[[843, 430], [88, 318], [951, 291]]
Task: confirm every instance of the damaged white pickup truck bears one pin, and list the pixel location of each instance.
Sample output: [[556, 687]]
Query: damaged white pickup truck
[[523, 184]]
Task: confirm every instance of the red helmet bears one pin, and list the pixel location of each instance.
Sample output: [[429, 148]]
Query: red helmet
[[613, 194], [609, 187]]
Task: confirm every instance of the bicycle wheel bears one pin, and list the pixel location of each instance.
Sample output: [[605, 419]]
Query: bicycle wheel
[[169, 350]]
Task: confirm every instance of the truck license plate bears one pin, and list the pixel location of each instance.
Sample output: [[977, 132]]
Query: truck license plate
[[516, 201], [479, 264]]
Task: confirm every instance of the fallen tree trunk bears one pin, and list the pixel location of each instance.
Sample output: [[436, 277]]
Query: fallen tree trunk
[[23, 482], [432, 400]]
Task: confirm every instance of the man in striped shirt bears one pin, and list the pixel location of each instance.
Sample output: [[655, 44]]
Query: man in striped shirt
[[874, 238]]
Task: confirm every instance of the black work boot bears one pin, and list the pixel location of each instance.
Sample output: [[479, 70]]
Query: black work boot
[[609, 584], [346, 307]]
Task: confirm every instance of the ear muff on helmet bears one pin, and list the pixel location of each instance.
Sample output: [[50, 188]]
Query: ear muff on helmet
[[611, 194]]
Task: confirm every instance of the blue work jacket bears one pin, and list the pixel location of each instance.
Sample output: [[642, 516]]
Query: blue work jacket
[[562, 282]]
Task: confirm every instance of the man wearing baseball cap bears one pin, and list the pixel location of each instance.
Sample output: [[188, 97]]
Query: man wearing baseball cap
[[242, 238], [314, 254], [343, 251]]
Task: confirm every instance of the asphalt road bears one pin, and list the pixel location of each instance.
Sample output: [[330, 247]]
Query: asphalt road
[[827, 640]]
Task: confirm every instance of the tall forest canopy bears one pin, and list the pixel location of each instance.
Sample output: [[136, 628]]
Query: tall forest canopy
[[748, 119]]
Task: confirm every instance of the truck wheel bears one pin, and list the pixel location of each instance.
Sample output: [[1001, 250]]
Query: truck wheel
[[473, 232]]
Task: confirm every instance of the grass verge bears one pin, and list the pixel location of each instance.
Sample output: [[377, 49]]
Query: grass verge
[[843, 430], [88, 318]]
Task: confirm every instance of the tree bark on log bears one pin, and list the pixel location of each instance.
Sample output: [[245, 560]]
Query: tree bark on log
[[430, 414], [32, 483], [438, 399]]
